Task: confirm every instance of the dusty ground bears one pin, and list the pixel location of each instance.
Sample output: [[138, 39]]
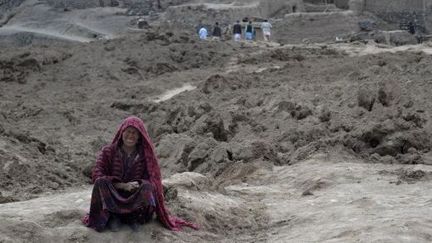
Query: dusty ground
[[274, 143]]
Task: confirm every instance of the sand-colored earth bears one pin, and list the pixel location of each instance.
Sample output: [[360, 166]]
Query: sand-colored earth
[[258, 142]]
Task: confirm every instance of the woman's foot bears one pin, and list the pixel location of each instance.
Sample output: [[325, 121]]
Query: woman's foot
[[134, 226], [114, 223]]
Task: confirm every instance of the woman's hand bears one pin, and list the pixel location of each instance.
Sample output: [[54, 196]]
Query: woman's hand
[[129, 186]]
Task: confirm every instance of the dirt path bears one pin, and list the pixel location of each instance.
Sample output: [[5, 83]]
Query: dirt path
[[8, 30]]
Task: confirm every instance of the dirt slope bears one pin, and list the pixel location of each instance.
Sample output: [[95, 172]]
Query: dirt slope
[[274, 143]]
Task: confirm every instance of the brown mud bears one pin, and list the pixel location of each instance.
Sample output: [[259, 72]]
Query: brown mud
[[258, 142]]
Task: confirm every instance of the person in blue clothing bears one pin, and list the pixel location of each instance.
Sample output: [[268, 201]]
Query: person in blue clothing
[[249, 29]]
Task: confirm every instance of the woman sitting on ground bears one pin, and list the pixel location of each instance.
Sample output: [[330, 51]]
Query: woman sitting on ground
[[127, 182]]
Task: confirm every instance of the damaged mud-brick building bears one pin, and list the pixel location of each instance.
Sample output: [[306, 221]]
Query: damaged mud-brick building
[[398, 11], [226, 14]]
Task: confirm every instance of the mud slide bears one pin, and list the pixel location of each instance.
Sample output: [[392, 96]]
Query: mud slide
[[320, 200], [258, 142], [11, 30], [82, 25]]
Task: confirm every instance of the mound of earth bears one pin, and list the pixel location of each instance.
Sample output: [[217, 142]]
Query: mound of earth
[[49, 96], [257, 141]]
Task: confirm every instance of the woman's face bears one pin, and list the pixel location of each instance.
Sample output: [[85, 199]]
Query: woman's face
[[130, 137]]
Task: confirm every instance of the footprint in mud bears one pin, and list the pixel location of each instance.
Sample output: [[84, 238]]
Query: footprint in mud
[[62, 218]]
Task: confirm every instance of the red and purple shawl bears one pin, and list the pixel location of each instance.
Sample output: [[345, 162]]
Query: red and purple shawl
[[152, 172]]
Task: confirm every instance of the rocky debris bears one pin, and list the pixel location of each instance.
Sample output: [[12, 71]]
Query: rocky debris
[[211, 123], [297, 111], [311, 187], [252, 150], [412, 176], [17, 70], [367, 25], [174, 149], [365, 98], [400, 38], [395, 38], [384, 97], [187, 180], [221, 83], [257, 105], [324, 114], [239, 120], [6, 199], [161, 68], [18, 67], [200, 154]]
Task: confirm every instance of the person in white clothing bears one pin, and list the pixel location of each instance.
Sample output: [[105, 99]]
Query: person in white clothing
[[203, 33], [266, 29]]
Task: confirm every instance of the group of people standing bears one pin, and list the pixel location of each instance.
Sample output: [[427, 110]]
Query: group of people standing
[[237, 30], [216, 34]]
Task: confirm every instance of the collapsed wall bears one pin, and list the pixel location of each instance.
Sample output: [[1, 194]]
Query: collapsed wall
[[315, 27], [80, 4], [208, 13], [7, 5], [343, 4], [398, 11]]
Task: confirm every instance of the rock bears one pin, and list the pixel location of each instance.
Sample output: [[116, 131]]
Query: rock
[[251, 150], [187, 180], [384, 97], [297, 111], [324, 114], [365, 99], [403, 143], [367, 25], [342, 4], [212, 123], [374, 135], [287, 106], [301, 112], [305, 152], [199, 110], [221, 83], [5, 199], [400, 38], [415, 118], [161, 68], [179, 120], [221, 153], [200, 153], [408, 104], [389, 147], [411, 176], [173, 151]]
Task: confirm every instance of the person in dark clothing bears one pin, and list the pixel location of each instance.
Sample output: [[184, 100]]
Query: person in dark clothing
[[249, 31], [237, 31], [411, 28], [217, 32]]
